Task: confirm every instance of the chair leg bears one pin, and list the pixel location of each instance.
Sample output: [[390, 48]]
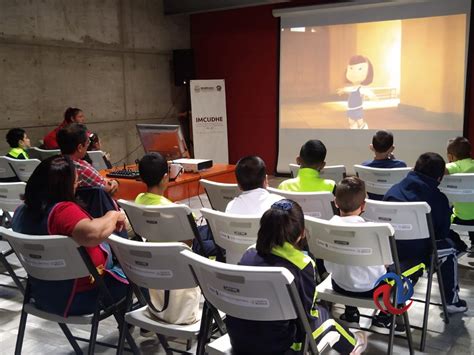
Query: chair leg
[[11, 272], [204, 330], [21, 332], [443, 296], [408, 332], [94, 330], [165, 344], [427, 307], [70, 338], [391, 336]]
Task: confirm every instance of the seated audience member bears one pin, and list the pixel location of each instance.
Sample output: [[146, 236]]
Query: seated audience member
[[311, 161], [183, 305], [252, 180], [460, 161], [153, 169], [280, 242], [50, 208], [95, 144], [382, 146], [73, 141], [421, 184], [356, 281], [72, 115], [18, 142]]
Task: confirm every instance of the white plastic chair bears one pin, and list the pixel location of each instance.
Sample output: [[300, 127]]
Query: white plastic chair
[[155, 266], [354, 245], [459, 188], [234, 233], [6, 171], [314, 204], [42, 154], [271, 292], [97, 157], [23, 168], [378, 181], [10, 198], [331, 172], [169, 223], [411, 221], [57, 258], [220, 194]]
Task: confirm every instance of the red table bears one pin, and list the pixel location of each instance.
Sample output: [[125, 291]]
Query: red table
[[185, 186]]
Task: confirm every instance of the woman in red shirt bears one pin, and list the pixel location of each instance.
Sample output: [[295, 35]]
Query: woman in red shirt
[[71, 115], [50, 208]]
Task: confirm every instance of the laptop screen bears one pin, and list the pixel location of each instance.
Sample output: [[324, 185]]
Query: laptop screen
[[164, 139]]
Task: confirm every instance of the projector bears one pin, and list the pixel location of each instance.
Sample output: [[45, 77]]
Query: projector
[[194, 165]]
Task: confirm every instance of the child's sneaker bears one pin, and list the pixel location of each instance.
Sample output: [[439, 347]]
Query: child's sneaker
[[361, 344], [382, 322], [350, 318], [458, 307]]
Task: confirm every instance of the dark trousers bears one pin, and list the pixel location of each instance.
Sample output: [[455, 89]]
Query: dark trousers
[[351, 309]]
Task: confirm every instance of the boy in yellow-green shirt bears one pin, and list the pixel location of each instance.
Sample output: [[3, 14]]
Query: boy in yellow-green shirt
[[460, 161], [18, 142], [311, 161]]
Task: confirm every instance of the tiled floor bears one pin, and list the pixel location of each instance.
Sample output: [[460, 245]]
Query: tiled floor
[[46, 338]]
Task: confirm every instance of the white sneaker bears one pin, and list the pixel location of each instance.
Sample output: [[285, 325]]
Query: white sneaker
[[361, 344], [458, 307]]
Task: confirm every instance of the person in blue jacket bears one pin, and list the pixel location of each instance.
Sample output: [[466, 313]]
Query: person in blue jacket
[[281, 240], [421, 184]]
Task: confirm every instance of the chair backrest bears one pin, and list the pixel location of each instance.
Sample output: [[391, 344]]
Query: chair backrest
[[47, 257], [170, 223], [6, 171], [234, 233], [408, 219], [220, 194], [153, 265], [10, 195], [247, 292], [315, 204], [331, 172], [97, 157], [23, 168], [355, 244], [42, 154], [378, 181], [458, 187]]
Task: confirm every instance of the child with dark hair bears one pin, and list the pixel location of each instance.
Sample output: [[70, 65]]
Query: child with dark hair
[[281, 239], [460, 162], [71, 115], [95, 144], [382, 146], [252, 180], [183, 305], [356, 281], [18, 142], [311, 161], [421, 184]]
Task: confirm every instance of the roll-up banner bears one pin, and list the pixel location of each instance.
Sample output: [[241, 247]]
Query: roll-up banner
[[209, 117]]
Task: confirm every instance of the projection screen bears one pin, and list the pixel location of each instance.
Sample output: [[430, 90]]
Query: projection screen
[[347, 71]]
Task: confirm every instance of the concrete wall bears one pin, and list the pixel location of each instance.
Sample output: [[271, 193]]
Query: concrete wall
[[111, 58]]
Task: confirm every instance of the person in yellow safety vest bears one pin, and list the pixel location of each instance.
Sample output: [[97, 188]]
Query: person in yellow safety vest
[[19, 142]]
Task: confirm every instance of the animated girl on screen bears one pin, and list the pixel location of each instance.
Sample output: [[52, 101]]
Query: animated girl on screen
[[359, 72]]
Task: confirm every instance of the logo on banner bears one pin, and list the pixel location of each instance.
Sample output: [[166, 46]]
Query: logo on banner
[[198, 88], [387, 284], [219, 88]]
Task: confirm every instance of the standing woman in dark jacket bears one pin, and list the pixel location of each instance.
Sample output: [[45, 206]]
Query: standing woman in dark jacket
[[280, 243]]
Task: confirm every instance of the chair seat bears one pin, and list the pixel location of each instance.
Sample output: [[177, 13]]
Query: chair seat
[[461, 228], [30, 308], [326, 292], [220, 346], [143, 319]]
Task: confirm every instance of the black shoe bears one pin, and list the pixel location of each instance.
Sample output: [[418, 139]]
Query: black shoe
[[350, 319], [381, 324]]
